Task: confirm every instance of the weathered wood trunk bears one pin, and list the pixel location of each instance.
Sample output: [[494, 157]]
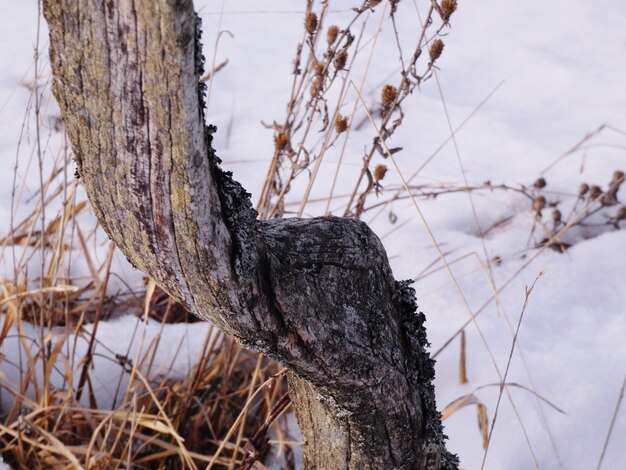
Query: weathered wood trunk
[[317, 295]]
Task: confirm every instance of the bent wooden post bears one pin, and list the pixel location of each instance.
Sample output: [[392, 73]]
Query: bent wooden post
[[316, 294]]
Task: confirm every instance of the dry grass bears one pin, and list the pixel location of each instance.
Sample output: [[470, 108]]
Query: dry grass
[[51, 415], [158, 421]]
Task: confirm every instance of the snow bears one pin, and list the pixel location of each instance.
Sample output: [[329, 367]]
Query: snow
[[560, 69], [170, 350]]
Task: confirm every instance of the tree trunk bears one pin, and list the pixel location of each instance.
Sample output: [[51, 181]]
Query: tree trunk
[[317, 295]]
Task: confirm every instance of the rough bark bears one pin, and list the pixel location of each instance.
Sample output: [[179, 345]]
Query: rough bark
[[317, 295]]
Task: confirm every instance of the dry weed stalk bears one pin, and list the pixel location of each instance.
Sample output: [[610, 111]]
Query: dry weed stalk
[[593, 207], [590, 200], [326, 68], [392, 115], [308, 100], [577, 218]]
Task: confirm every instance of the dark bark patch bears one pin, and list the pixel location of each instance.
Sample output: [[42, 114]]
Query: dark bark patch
[[421, 370]]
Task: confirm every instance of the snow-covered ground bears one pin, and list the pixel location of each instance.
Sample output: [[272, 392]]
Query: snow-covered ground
[[558, 71]]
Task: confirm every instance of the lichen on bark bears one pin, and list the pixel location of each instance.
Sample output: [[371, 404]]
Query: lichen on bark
[[421, 369]]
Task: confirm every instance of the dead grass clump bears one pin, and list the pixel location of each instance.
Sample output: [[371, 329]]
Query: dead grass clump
[[53, 412]]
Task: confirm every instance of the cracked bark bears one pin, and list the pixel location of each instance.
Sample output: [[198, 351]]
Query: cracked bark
[[317, 295]]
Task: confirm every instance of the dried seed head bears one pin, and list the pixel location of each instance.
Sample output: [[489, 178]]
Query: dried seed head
[[609, 198], [320, 68], [316, 86], [447, 8], [341, 124], [539, 203], [582, 190], [540, 183], [340, 60], [310, 22], [436, 49], [618, 177], [331, 34], [595, 191], [556, 216], [394, 5], [379, 172], [621, 213], [281, 141], [389, 96]]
